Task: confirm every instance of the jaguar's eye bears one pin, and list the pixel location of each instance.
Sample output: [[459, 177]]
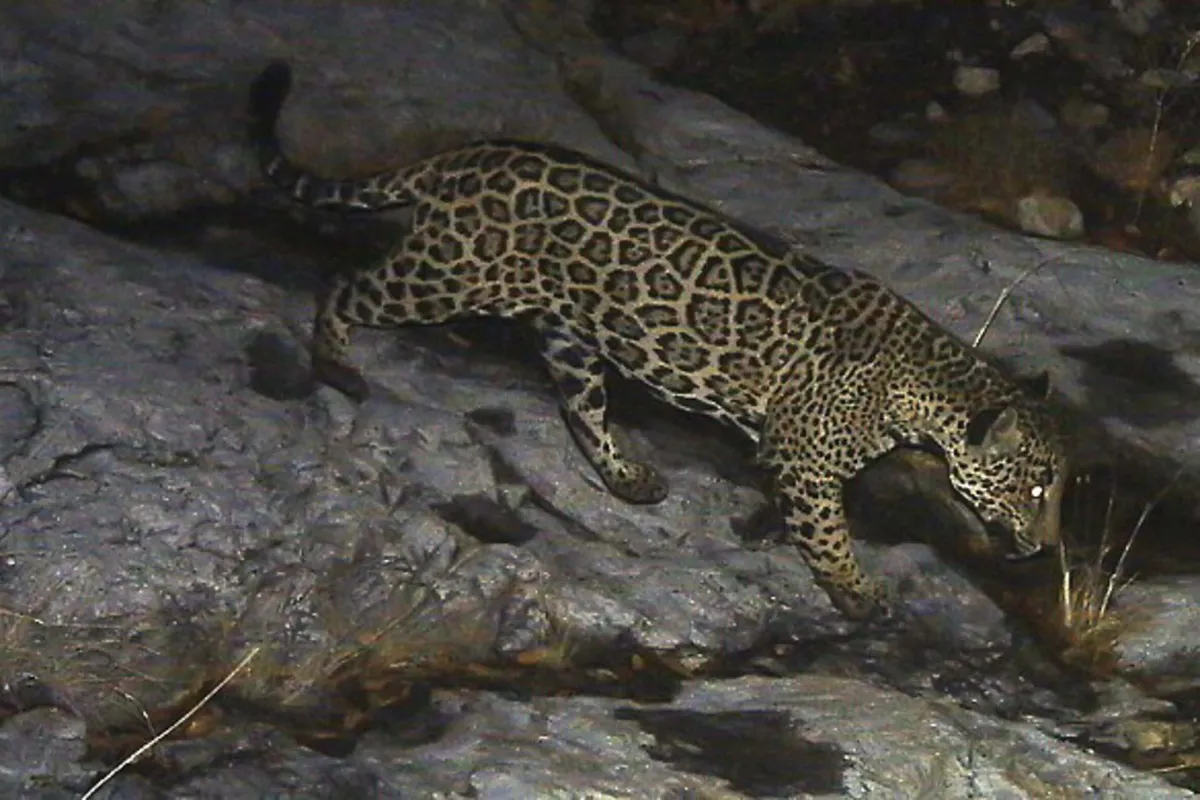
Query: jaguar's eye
[[1037, 492]]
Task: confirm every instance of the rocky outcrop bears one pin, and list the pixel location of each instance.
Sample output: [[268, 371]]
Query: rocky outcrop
[[431, 593]]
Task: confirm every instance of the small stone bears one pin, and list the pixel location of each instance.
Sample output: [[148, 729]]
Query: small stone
[[1184, 191], [1050, 215], [976, 81], [1036, 44], [936, 112], [1082, 115]]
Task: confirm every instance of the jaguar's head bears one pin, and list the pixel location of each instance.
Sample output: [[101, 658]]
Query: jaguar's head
[[1010, 463]]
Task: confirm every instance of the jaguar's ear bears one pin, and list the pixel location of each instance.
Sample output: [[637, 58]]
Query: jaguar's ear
[[993, 431], [1036, 386]]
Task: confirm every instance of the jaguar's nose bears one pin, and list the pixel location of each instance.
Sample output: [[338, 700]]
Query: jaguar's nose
[[1026, 552]]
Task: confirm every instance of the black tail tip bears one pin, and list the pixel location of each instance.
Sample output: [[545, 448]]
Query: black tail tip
[[269, 91]]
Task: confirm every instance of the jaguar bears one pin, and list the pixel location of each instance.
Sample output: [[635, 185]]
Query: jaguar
[[825, 369]]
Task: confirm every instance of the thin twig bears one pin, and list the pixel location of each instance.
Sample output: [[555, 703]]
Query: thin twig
[[1068, 609], [136, 754], [1160, 107], [1148, 163], [1003, 298]]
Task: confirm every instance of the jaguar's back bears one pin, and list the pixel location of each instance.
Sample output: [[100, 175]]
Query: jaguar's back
[[827, 369]]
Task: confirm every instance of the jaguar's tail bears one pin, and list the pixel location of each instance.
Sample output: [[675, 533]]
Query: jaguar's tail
[[378, 192]]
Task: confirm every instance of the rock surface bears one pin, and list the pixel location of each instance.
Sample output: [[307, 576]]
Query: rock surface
[[172, 498]]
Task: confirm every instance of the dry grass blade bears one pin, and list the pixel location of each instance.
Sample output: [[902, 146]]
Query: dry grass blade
[[136, 754], [1089, 631], [1087, 592], [1119, 569]]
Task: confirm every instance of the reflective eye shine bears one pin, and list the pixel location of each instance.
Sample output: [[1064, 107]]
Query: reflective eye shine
[[1038, 492]]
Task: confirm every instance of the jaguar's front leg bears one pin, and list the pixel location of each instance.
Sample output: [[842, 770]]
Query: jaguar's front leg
[[815, 522]]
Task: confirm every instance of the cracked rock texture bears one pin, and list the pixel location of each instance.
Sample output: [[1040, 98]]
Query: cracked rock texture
[[174, 497]]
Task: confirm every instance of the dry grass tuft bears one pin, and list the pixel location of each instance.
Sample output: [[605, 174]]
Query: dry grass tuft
[[1090, 626]]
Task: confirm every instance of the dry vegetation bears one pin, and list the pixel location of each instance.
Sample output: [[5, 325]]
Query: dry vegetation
[[1092, 622], [1090, 626], [996, 158], [134, 702]]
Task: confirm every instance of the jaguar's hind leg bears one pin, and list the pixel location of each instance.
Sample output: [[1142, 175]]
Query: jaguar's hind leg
[[390, 295], [578, 370], [346, 302]]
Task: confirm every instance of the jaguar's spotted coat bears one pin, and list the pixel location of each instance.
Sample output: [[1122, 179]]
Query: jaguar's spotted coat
[[825, 369]]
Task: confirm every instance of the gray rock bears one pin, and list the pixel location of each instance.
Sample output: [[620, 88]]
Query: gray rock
[[42, 747], [171, 499], [1050, 215], [1082, 115], [1033, 44], [1184, 191], [974, 81], [1161, 614]]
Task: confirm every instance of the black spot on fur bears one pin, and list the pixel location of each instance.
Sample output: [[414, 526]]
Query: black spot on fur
[[980, 424], [596, 182], [528, 167]]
